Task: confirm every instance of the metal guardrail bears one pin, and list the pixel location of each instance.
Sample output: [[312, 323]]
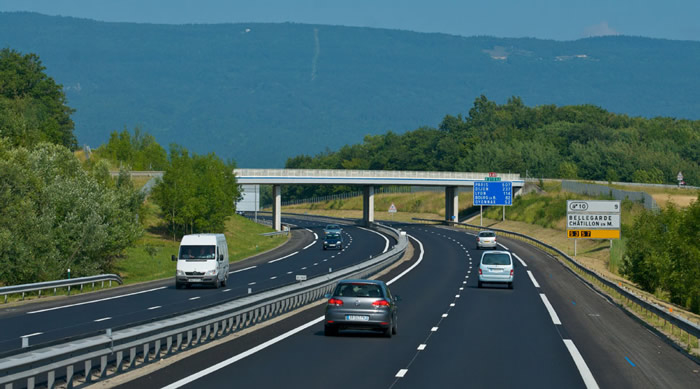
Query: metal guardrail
[[682, 323], [67, 283], [79, 362]]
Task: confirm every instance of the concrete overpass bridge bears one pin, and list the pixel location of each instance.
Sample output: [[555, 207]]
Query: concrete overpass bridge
[[452, 181]]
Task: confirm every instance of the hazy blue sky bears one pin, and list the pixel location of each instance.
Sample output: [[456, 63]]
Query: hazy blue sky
[[549, 19]]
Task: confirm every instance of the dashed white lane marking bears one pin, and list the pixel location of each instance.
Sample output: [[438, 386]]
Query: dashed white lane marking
[[518, 258], [452, 305], [581, 365], [289, 272], [457, 296], [315, 263], [532, 278], [194, 298], [252, 283], [550, 309], [303, 268], [273, 277], [30, 335], [103, 319], [444, 315], [226, 290], [262, 346], [386, 247], [461, 288], [155, 307], [238, 271], [434, 329], [285, 257], [421, 347], [401, 373], [96, 301]]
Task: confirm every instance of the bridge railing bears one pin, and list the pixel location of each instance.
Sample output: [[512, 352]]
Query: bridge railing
[[368, 173]]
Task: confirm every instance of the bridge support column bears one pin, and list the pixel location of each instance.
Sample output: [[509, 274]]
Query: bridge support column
[[277, 207], [452, 203], [368, 205]]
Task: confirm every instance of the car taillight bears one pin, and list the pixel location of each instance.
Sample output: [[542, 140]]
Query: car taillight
[[511, 272], [477, 239], [336, 302], [480, 271], [381, 303]]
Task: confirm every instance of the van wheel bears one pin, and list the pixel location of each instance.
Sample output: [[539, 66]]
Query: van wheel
[[217, 283], [178, 285], [225, 281]]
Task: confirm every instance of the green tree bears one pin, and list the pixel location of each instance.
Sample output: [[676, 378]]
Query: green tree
[[33, 106]]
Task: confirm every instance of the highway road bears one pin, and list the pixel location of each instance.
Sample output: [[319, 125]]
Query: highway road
[[550, 331], [46, 321]]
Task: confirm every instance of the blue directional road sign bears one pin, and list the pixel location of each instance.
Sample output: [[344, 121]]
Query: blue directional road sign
[[493, 193]]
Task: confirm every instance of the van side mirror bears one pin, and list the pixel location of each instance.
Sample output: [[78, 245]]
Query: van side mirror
[[221, 257], [172, 257]]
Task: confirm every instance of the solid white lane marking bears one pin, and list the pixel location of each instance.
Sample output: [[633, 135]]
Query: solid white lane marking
[[401, 373], [29, 335], [155, 307], [96, 301], [504, 247], [550, 309], [285, 257], [581, 365], [273, 277], [421, 347], [309, 245], [420, 259], [386, 247], [434, 329], [532, 278], [103, 319], [315, 236], [238, 271], [518, 258], [194, 298]]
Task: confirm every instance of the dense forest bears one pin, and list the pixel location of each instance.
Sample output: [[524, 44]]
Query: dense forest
[[577, 142], [263, 92]]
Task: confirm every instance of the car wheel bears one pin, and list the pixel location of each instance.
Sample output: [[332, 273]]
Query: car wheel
[[510, 285], [395, 328], [479, 284], [330, 331], [388, 331]]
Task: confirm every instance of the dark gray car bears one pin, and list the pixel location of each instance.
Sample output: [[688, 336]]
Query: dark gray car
[[363, 305]]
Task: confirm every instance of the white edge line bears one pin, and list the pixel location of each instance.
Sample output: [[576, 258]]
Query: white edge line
[[550, 309], [386, 247], [518, 258], [277, 339], [238, 271], [315, 236], [532, 278], [242, 355], [286, 256], [581, 365], [95, 301], [103, 319], [311, 244], [506, 248], [154, 307], [29, 335]]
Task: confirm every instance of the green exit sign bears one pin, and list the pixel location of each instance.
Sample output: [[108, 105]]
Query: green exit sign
[[492, 178]]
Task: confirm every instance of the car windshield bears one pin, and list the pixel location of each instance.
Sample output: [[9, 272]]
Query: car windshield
[[333, 237], [487, 234], [332, 227], [197, 252], [358, 290], [496, 259]]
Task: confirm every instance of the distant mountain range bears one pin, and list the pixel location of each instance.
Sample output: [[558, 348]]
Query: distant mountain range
[[260, 93]]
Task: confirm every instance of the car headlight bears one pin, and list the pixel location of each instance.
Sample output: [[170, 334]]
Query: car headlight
[[211, 273], [180, 272]]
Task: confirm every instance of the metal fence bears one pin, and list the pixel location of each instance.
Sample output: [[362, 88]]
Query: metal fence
[[602, 190], [81, 361], [55, 285]]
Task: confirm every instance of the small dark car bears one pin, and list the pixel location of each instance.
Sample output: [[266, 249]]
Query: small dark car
[[333, 241], [361, 305]]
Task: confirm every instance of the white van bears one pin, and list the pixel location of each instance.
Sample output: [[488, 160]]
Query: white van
[[203, 259]]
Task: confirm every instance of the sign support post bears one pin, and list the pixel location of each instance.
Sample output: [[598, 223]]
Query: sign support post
[[481, 216]]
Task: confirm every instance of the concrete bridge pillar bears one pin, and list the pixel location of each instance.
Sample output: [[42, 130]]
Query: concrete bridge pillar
[[452, 203], [277, 207], [368, 205]]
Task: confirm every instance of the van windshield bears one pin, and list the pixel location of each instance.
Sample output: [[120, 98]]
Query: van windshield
[[496, 259], [195, 253]]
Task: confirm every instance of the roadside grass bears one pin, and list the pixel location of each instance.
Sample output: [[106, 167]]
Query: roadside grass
[[150, 258]]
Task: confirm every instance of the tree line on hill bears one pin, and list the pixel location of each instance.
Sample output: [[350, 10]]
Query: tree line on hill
[[575, 142], [58, 213]]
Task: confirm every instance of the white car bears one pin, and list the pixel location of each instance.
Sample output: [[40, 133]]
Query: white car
[[486, 238], [496, 267]]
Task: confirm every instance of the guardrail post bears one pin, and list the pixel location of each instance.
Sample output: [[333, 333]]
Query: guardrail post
[[88, 369], [120, 359], [156, 355], [103, 366], [51, 379], [146, 348]]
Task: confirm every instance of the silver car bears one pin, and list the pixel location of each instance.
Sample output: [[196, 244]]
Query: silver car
[[496, 267], [332, 229], [486, 239], [361, 304]]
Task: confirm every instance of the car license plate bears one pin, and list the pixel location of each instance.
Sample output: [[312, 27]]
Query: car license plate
[[195, 280], [356, 318]]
